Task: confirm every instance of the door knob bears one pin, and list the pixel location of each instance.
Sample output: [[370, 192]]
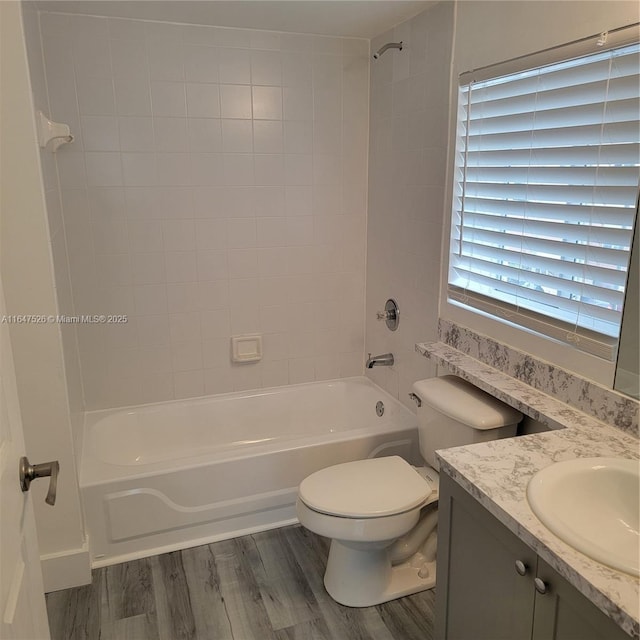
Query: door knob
[[29, 472], [521, 567]]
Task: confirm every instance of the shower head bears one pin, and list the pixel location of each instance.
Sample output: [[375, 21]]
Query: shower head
[[389, 45]]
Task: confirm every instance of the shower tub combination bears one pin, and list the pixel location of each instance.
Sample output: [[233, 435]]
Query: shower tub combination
[[167, 476]]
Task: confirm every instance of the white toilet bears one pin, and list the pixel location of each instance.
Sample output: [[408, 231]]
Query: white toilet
[[381, 513]]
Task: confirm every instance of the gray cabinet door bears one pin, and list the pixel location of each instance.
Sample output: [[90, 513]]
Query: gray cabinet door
[[479, 594], [563, 613]]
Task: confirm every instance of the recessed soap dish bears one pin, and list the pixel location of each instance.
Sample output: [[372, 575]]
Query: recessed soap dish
[[246, 348]]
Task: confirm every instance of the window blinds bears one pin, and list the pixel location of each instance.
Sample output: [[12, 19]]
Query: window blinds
[[545, 196]]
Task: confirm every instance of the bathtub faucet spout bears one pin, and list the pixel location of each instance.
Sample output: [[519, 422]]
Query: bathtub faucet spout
[[385, 360]]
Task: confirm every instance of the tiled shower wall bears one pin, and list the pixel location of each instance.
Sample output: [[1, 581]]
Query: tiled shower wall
[[56, 227], [407, 166], [216, 187]]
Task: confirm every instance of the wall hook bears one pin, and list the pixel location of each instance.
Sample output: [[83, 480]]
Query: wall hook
[[52, 135]]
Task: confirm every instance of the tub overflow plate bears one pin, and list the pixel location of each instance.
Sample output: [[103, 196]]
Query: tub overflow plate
[[380, 408]]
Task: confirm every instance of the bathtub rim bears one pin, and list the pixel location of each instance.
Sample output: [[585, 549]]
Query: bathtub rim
[[94, 471]]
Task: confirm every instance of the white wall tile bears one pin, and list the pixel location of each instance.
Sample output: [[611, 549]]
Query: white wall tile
[[129, 59], [275, 374], [183, 297], [179, 235], [234, 66], [205, 135], [272, 232], [139, 169], [218, 380], [268, 136], [145, 236], [91, 56], [241, 234], [110, 236], [100, 133], [95, 96], [238, 169], [269, 201], [237, 136], [103, 169], [267, 103], [174, 169], [181, 266], [153, 330], [168, 99], [298, 169], [243, 263], [187, 355], [269, 169], [266, 68], [298, 136], [216, 355], [170, 134], [200, 63], [207, 194], [150, 299], [215, 324], [203, 100], [211, 234], [71, 169], [207, 169], [299, 201], [148, 268], [132, 97], [235, 101], [136, 134], [188, 384], [166, 59]]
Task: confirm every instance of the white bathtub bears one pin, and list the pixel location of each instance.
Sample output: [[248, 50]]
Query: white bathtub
[[166, 476]]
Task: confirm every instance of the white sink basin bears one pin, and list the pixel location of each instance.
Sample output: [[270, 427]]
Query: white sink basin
[[592, 504]]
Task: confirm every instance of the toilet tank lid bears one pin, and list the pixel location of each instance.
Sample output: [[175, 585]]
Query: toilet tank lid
[[465, 403]]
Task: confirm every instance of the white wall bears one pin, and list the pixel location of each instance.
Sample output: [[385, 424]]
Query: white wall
[[217, 186], [490, 32], [407, 161], [27, 275]]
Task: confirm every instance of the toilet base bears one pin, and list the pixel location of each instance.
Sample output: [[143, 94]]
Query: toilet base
[[358, 577]]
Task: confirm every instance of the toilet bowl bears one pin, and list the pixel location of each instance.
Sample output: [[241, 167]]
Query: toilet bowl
[[381, 513], [366, 507]]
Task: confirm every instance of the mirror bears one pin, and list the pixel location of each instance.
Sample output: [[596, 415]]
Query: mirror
[[627, 378]]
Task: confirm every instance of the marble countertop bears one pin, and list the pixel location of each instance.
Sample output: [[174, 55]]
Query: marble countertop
[[497, 473]]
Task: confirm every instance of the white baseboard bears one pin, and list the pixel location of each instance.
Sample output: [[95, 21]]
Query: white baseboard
[[71, 568]]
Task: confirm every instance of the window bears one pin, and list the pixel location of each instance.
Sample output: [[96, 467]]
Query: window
[[546, 194]]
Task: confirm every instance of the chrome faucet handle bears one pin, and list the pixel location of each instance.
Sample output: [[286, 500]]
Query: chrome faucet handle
[[391, 314], [29, 472]]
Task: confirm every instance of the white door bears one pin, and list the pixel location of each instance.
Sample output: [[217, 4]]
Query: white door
[[22, 608], [22, 604]]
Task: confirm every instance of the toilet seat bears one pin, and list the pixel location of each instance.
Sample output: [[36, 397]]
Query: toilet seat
[[372, 488]]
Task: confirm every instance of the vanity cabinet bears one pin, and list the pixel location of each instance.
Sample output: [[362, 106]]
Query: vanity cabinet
[[492, 586]]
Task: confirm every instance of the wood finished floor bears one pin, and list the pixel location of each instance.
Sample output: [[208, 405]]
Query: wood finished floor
[[259, 587]]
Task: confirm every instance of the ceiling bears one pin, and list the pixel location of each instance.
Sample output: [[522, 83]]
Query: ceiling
[[353, 18]]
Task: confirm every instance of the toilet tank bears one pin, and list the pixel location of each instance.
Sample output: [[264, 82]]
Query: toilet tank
[[455, 413]]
